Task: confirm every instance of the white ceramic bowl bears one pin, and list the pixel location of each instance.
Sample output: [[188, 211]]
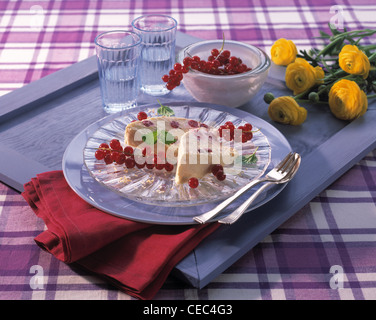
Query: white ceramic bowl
[[229, 90]]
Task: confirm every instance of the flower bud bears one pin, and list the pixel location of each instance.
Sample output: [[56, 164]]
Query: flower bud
[[314, 97], [268, 97]]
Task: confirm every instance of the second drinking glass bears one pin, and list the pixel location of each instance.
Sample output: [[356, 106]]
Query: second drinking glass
[[158, 35]]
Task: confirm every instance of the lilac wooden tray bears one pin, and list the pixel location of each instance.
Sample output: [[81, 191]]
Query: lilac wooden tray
[[38, 121]]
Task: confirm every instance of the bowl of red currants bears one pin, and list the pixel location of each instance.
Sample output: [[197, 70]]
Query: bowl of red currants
[[229, 73]]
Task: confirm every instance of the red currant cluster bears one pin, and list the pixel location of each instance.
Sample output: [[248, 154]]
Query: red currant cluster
[[175, 75], [227, 131], [115, 153], [218, 63]]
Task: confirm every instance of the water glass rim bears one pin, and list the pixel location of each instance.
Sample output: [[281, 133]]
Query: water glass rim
[[118, 31], [155, 15]]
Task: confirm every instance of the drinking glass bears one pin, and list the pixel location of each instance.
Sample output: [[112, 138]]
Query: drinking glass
[[158, 35], [118, 54]]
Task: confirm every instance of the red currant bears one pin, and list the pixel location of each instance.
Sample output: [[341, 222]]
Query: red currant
[[165, 78], [216, 63], [193, 182], [142, 115], [150, 165], [159, 166], [216, 168], [229, 125], [202, 64], [170, 86], [99, 154], [121, 158], [194, 65], [215, 52], [248, 127], [174, 124], [169, 166], [187, 61], [114, 155], [108, 159], [147, 123], [140, 165], [220, 175], [104, 146], [184, 69], [193, 123], [249, 135], [115, 144], [220, 130], [177, 66], [128, 150], [226, 54], [130, 163], [234, 61]]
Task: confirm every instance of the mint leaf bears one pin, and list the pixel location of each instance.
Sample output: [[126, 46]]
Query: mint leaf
[[150, 138], [165, 111], [166, 137], [250, 159]]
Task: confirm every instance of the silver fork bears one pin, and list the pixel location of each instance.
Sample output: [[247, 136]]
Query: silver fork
[[276, 174], [237, 213]]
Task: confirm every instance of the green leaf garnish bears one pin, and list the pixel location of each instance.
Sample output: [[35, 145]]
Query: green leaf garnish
[[166, 137], [251, 158], [165, 111], [150, 138]]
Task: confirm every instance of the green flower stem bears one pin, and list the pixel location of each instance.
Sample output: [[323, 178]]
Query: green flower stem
[[368, 47], [328, 59], [372, 56], [339, 73], [302, 94], [342, 36], [371, 96], [356, 33], [317, 102], [329, 46]]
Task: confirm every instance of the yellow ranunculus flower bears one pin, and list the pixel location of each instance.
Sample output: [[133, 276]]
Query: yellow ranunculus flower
[[287, 111], [354, 61], [283, 52], [320, 74], [346, 100], [301, 76]]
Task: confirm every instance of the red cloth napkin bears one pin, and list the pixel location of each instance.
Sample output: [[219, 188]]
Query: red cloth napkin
[[136, 257]]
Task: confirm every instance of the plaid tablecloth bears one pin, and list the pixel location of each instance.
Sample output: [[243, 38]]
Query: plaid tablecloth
[[326, 251]]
